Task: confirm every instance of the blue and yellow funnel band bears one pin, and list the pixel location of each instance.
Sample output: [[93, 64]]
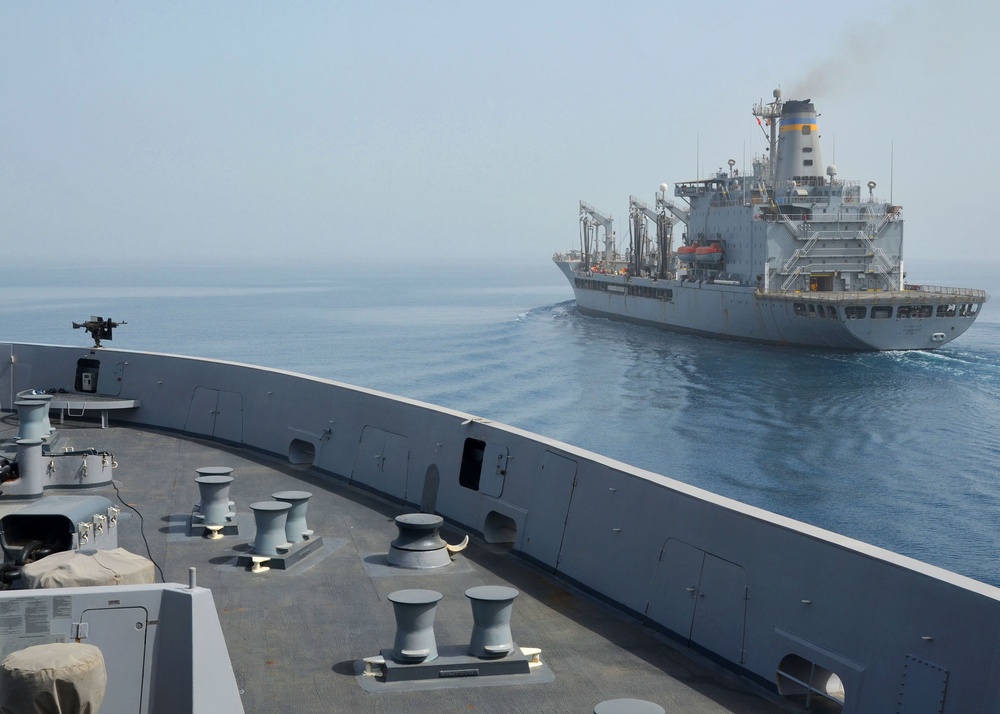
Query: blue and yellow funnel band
[[798, 127], [795, 122]]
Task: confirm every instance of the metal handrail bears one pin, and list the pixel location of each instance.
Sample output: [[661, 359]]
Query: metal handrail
[[972, 292], [910, 295]]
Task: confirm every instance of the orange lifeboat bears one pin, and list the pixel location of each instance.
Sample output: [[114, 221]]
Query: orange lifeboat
[[708, 253], [687, 252]]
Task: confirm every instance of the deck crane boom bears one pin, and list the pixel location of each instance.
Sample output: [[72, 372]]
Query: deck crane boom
[[638, 212], [590, 220], [663, 204], [664, 233]]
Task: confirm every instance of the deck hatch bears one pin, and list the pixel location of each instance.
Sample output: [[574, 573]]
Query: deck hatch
[[382, 461], [923, 687]]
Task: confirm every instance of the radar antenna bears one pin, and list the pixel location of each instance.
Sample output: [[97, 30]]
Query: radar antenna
[[99, 328]]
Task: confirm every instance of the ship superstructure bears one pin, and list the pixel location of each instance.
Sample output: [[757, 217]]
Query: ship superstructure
[[788, 254]]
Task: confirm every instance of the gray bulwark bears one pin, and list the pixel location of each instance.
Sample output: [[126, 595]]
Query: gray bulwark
[[794, 616]]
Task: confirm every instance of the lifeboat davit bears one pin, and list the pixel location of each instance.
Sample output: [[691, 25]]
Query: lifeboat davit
[[708, 253], [687, 252]]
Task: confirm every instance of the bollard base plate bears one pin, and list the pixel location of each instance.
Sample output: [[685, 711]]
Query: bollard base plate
[[454, 662], [285, 558], [197, 529]]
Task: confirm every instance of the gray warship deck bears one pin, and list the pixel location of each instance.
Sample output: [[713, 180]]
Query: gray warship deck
[[781, 604], [295, 637]]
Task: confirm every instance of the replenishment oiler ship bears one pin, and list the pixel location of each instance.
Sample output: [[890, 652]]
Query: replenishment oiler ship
[[789, 255]]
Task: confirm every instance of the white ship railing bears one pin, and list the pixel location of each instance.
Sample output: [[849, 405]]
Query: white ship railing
[[814, 200], [912, 294], [965, 292]]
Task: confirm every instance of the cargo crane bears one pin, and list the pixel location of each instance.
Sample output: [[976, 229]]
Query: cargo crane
[[590, 221], [661, 256]]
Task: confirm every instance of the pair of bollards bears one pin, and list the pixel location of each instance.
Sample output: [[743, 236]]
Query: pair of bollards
[[279, 522], [215, 510], [415, 610]]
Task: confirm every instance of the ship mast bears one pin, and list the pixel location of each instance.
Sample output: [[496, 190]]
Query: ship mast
[[770, 113]]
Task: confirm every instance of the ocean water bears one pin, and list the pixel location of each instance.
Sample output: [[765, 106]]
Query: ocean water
[[899, 449]]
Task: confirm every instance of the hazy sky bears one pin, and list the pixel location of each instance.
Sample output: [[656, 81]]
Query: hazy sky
[[465, 130]]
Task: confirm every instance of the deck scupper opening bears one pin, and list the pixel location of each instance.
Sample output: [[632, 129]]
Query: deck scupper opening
[[809, 684], [301, 453]]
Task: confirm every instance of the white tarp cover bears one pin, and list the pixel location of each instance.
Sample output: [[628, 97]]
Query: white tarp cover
[[57, 678], [70, 569]]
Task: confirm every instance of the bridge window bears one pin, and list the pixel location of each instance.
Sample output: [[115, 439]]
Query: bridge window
[[881, 312], [810, 685]]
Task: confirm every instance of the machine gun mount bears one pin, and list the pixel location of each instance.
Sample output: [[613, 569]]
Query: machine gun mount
[[99, 328]]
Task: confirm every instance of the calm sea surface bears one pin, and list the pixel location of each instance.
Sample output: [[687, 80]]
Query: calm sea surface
[[899, 449]]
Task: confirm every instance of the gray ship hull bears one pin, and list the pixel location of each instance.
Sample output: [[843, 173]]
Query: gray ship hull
[[928, 320]]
